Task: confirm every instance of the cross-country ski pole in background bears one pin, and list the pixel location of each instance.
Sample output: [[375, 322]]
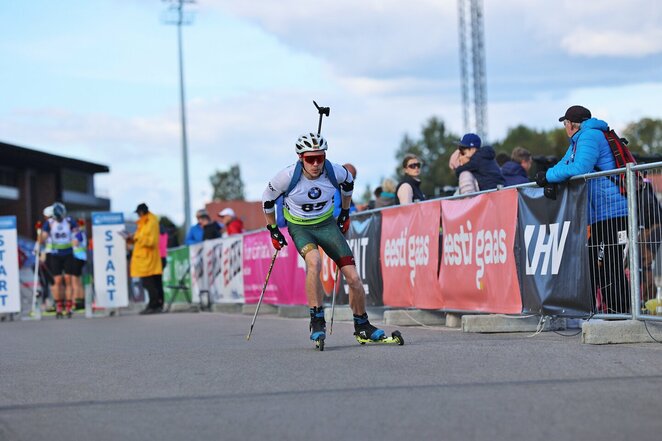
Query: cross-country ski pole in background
[[264, 288], [322, 111], [333, 299], [36, 309]]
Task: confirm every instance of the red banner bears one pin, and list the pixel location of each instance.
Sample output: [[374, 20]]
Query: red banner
[[409, 253], [478, 271]]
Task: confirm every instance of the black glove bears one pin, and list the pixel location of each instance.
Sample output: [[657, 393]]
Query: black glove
[[550, 191], [541, 179], [277, 238], [343, 220]]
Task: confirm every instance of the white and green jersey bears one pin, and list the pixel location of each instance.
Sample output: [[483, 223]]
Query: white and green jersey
[[311, 200]]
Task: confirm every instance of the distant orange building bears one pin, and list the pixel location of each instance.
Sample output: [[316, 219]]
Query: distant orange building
[[249, 212]]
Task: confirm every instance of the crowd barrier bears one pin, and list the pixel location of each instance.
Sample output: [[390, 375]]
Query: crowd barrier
[[510, 251]]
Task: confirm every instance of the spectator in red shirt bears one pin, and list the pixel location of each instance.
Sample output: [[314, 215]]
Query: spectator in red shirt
[[233, 225]]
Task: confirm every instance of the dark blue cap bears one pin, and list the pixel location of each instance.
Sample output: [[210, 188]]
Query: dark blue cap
[[470, 140]]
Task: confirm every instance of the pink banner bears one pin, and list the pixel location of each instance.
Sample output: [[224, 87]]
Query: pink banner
[[288, 277]]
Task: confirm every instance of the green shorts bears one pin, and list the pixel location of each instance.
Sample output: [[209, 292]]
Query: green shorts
[[326, 235]]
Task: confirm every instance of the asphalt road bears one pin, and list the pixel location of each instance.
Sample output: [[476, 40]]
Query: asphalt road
[[195, 377]]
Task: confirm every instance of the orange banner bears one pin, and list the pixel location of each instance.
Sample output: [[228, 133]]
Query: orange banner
[[410, 254], [478, 271]]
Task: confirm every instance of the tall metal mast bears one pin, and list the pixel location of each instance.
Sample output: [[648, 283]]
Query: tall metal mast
[[477, 78], [178, 17]]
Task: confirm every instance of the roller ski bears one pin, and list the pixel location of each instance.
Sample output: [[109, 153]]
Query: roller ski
[[367, 333], [317, 327]]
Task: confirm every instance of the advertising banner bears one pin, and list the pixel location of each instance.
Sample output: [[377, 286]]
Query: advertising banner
[[327, 275], [10, 294], [409, 247], [176, 276], [552, 254], [199, 283], [363, 238], [478, 270], [223, 265], [288, 277], [109, 257]]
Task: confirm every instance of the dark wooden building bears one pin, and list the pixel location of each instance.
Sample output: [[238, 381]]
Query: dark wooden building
[[31, 180]]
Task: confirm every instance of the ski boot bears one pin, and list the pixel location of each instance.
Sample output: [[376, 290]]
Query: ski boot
[[317, 326], [68, 306], [367, 333]]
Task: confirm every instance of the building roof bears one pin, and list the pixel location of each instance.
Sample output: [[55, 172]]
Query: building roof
[[21, 157]]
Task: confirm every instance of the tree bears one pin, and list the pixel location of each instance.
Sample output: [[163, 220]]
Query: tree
[[645, 136], [227, 185], [434, 149]]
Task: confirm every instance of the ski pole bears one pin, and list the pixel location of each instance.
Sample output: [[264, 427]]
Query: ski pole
[[264, 288], [36, 310], [333, 300], [322, 111]]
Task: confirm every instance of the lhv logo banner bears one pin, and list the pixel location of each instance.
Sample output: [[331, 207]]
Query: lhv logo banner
[[109, 256], [10, 296], [551, 251], [478, 271], [409, 247]]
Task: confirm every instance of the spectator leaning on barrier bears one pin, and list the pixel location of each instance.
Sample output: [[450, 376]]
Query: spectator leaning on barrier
[[196, 233], [589, 152], [233, 225], [466, 181], [480, 162], [516, 171], [409, 188], [146, 258], [309, 213]]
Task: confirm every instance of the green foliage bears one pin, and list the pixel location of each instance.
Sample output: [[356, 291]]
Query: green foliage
[[538, 142], [644, 136], [227, 185]]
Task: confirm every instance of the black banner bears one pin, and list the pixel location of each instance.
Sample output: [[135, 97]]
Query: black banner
[[363, 238], [551, 254]]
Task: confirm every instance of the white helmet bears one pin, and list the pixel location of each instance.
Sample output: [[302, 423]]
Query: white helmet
[[48, 211], [310, 142]]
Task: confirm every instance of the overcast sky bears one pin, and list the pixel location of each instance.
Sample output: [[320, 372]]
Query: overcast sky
[[98, 80]]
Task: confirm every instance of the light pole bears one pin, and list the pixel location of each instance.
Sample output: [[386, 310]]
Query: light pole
[[177, 6]]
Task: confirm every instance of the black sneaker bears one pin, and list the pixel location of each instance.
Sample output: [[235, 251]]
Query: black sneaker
[[365, 330]]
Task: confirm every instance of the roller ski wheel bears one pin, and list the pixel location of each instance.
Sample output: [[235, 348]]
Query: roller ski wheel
[[395, 339]]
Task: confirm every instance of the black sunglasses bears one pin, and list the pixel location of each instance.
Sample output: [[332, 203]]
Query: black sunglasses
[[414, 165]]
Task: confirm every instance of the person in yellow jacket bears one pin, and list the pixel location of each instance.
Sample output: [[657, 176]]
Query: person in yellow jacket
[[146, 259]]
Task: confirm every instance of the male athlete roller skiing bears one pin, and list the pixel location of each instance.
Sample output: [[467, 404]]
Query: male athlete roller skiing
[[308, 187]]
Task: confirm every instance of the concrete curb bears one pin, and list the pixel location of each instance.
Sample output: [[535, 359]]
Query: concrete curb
[[184, 307], [415, 317], [499, 323], [265, 308], [294, 311], [453, 320], [229, 308], [342, 314], [599, 332]]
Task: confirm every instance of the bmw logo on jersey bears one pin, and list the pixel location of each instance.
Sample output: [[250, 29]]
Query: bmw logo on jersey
[[314, 193]]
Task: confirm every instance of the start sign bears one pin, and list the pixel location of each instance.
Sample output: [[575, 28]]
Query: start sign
[[10, 295], [109, 255]]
